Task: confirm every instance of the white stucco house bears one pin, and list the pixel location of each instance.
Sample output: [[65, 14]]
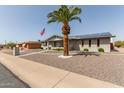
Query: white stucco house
[[91, 41]]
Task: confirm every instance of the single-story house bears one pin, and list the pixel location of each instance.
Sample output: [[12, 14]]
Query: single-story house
[[29, 45], [80, 42]]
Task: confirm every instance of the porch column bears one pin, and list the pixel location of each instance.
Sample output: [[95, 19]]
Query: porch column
[[47, 45]]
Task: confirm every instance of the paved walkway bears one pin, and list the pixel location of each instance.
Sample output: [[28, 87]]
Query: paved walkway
[[8, 80], [40, 75]]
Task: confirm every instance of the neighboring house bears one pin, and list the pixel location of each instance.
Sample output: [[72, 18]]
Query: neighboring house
[[29, 45], [92, 41]]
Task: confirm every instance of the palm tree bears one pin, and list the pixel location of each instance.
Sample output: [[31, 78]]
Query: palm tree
[[64, 15]]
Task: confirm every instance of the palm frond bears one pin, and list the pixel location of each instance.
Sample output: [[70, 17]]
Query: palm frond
[[75, 11], [64, 14], [75, 18], [49, 15], [51, 20]]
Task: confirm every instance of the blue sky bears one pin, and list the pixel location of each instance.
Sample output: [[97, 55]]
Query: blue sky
[[24, 23]]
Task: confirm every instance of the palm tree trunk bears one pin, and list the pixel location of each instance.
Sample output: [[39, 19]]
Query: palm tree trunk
[[66, 31], [65, 41]]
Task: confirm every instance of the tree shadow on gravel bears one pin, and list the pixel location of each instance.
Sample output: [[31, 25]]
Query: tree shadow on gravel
[[87, 54]]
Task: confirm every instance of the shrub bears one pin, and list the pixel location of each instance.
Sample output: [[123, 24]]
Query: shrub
[[10, 45], [86, 50], [101, 50], [58, 49], [119, 44]]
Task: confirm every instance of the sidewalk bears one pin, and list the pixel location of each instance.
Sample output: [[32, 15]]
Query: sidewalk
[[38, 75]]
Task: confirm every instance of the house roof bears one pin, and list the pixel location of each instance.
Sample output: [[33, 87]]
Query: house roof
[[56, 36], [88, 36], [30, 42]]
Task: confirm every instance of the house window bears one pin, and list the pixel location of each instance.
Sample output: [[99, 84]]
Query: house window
[[82, 43], [89, 43], [54, 43], [98, 42]]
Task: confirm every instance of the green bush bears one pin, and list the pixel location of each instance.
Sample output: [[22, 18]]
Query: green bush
[[101, 50], [119, 44], [10, 45], [86, 50], [58, 49]]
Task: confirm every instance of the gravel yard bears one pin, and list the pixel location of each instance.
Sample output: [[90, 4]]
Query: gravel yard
[[103, 67]]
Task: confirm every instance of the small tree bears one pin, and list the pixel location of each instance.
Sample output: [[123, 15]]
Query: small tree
[[10, 45]]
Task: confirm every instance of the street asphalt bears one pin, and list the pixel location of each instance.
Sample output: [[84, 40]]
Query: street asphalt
[[9, 80]]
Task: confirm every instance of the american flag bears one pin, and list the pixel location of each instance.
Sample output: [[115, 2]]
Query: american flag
[[42, 32]]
